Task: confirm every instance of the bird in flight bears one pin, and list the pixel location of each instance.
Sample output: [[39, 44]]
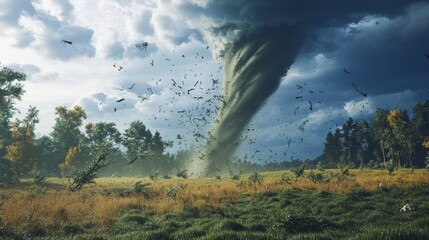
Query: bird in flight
[[120, 100], [345, 70], [135, 159], [357, 90], [67, 42], [132, 86]]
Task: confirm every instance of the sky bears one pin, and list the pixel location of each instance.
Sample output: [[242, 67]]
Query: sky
[[201, 52]]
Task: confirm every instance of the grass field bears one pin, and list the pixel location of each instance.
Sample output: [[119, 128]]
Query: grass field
[[318, 205]]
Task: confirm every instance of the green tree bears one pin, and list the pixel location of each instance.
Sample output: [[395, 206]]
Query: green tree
[[46, 154], [420, 129], [22, 151], [11, 89], [333, 148], [102, 137], [365, 142], [403, 138], [350, 141], [137, 139], [66, 132], [380, 131]]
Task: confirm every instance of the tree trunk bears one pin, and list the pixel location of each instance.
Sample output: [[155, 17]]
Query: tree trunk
[[382, 150]]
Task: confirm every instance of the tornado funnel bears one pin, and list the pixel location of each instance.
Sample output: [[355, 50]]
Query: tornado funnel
[[253, 67]]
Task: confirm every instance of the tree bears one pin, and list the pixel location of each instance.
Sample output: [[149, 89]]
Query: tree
[[139, 141], [46, 154], [22, 151], [380, 131], [333, 148], [350, 141], [103, 138], [420, 129], [365, 142], [66, 132], [402, 140], [11, 89]]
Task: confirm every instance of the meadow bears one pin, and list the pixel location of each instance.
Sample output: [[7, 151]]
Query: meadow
[[330, 204]]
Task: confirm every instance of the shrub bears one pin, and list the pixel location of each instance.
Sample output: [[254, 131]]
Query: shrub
[[6, 172], [154, 175], [256, 178], [87, 176], [299, 171], [315, 177], [182, 173], [38, 176], [284, 179], [320, 167]]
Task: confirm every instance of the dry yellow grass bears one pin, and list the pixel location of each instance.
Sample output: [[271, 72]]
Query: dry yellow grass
[[53, 207]]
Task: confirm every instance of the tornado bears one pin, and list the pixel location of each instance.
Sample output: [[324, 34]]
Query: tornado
[[253, 65], [258, 42]]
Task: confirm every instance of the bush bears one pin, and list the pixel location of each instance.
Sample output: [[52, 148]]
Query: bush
[[320, 167], [315, 177], [299, 171], [284, 179], [182, 173], [256, 178], [38, 176], [6, 172], [154, 175]]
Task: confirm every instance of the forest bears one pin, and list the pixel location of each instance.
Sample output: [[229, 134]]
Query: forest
[[391, 140]]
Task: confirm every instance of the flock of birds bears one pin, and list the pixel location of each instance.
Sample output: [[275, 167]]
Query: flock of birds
[[207, 101]]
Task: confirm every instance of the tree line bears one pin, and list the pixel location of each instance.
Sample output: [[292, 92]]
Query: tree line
[[390, 139], [68, 148]]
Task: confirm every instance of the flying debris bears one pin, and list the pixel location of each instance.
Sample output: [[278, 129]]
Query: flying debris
[[183, 56], [115, 109], [67, 42], [192, 89], [357, 90], [179, 137], [132, 86], [142, 46], [151, 63], [120, 100], [311, 106], [135, 159], [150, 90], [207, 47], [345, 70], [298, 97], [143, 98]]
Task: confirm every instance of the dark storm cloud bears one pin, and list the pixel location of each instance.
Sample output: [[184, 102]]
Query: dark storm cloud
[[244, 80]]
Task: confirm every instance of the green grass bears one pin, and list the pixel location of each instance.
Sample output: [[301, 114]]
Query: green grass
[[291, 214]]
